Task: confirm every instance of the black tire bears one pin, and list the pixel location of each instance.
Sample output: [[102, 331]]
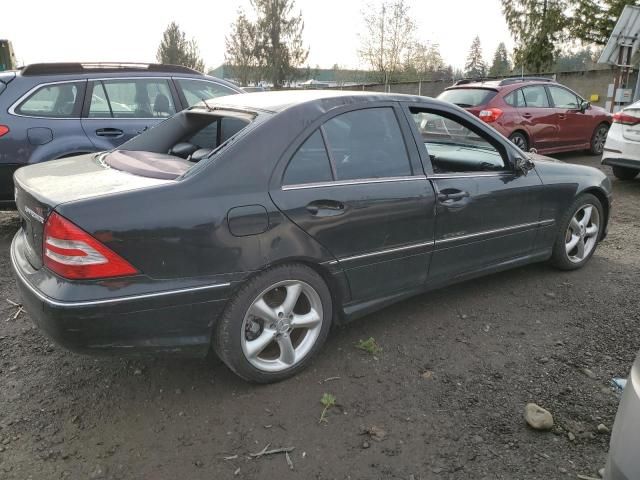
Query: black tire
[[520, 140], [625, 173], [560, 257], [598, 139], [228, 332]]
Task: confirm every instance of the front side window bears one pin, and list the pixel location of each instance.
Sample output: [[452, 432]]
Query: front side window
[[195, 91], [563, 98], [310, 164], [143, 98], [454, 147], [367, 144], [536, 96], [57, 101]]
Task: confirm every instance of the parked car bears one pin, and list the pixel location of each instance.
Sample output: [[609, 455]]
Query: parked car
[[56, 110], [534, 113], [253, 89], [275, 215], [622, 462], [622, 148]]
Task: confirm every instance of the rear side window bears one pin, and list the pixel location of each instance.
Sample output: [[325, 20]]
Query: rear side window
[[367, 144], [144, 98], [195, 91], [57, 101], [536, 96], [515, 99], [310, 164], [468, 97]]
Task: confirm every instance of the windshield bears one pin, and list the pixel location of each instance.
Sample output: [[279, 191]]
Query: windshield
[[468, 97]]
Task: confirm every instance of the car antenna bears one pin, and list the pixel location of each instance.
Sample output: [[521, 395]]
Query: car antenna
[[209, 107]]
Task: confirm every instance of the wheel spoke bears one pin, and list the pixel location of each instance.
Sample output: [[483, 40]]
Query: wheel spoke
[[581, 248], [293, 294], [308, 320], [571, 244], [575, 226], [591, 231], [255, 347], [260, 309], [287, 352], [587, 216]]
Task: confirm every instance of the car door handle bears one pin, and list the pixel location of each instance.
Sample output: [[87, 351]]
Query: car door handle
[[109, 132], [325, 208], [451, 195], [527, 115], [562, 116]]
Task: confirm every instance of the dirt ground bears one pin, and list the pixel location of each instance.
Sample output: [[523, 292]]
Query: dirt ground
[[444, 399]]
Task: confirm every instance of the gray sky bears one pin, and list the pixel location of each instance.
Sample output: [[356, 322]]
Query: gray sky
[[118, 30]]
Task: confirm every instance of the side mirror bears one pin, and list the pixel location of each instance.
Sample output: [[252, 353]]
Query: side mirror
[[523, 165], [584, 106]]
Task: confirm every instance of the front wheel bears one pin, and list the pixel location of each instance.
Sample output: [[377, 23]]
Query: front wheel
[[625, 173], [579, 233], [274, 324], [598, 139]]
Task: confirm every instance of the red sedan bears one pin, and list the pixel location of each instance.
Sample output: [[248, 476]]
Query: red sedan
[[534, 113]]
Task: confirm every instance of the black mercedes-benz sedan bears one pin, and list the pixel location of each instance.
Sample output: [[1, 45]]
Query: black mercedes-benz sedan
[[251, 223]]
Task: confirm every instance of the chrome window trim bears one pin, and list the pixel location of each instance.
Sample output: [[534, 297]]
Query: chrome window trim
[[444, 176], [14, 105], [58, 303], [383, 252], [539, 223], [363, 181]]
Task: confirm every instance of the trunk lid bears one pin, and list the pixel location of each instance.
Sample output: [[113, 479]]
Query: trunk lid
[[40, 188]]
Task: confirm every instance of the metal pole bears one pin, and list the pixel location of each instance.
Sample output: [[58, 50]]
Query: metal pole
[[420, 88]]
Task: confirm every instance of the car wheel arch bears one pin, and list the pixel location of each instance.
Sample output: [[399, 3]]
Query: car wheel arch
[[604, 201]]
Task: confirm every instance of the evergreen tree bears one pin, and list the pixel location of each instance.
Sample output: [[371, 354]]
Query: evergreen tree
[[475, 66], [538, 27], [175, 49], [280, 45], [593, 20], [501, 65], [242, 51]]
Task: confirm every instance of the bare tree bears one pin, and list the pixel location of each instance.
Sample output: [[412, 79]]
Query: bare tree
[[423, 60], [388, 34]]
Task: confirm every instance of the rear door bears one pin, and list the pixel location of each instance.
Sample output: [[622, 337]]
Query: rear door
[[539, 117], [574, 126], [357, 187], [118, 109], [486, 212]]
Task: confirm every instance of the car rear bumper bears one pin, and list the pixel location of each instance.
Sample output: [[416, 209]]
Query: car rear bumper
[[623, 462], [614, 161], [620, 151], [168, 320]]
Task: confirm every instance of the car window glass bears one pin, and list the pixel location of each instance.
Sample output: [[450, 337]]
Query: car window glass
[[197, 90], [467, 97], [144, 98], [563, 98], [310, 164], [536, 96], [207, 137], [515, 98], [453, 147], [367, 144], [58, 101]]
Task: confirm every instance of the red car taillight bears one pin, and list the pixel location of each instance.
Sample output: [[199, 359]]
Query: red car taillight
[[625, 119], [490, 115], [72, 253], [3, 130]]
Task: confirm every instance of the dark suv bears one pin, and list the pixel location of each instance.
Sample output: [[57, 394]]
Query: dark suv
[[534, 112], [56, 110]]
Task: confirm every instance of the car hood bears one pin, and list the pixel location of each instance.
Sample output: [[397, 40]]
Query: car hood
[[556, 171]]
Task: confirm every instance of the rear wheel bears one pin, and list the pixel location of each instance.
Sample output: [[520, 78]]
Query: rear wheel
[[579, 233], [520, 140], [598, 139], [625, 173], [275, 324]]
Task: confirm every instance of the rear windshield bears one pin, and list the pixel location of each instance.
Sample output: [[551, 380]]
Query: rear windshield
[[468, 97], [178, 144]]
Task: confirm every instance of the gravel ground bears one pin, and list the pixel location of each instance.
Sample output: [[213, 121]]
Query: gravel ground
[[444, 399]]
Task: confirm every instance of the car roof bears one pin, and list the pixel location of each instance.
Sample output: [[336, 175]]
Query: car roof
[[277, 101], [502, 83]]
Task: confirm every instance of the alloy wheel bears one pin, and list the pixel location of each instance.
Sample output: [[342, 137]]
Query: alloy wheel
[[520, 142], [599, 139], [582, 234], [281, 326]]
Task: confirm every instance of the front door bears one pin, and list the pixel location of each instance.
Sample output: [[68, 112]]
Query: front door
[[355, 187], [117, 110], [486, 213], [575, 128]]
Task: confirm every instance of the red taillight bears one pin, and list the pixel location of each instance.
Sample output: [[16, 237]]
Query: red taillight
[[3, 130], [72, 253], [625, 119], [490, 115]]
